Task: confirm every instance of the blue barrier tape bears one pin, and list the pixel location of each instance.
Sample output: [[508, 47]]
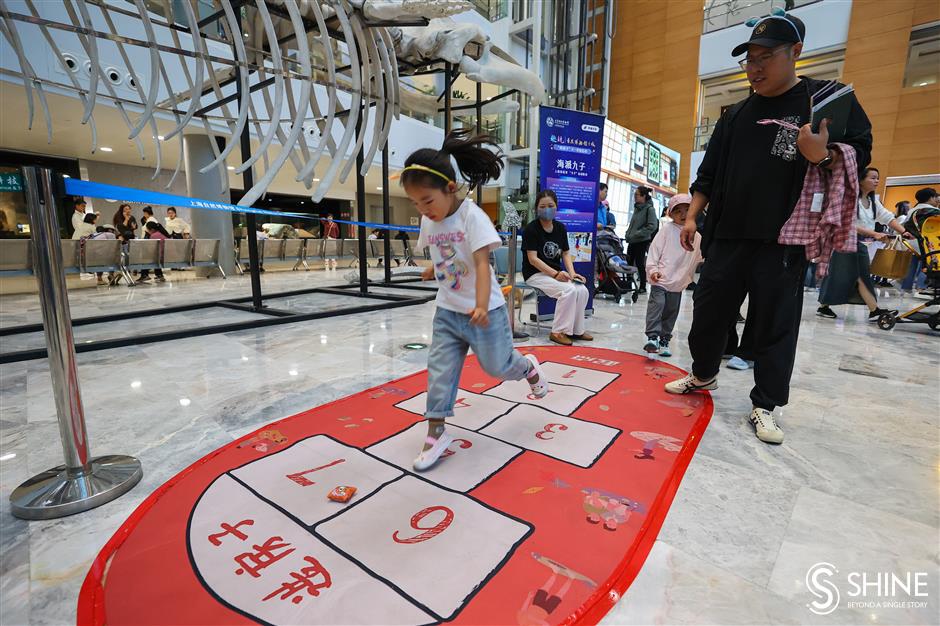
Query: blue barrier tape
[[77, 187]]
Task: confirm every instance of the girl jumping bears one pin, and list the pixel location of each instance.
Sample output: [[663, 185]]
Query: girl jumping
[[471, 312]]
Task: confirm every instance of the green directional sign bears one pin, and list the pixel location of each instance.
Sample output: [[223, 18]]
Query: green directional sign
[[415, 346], [11, 182]]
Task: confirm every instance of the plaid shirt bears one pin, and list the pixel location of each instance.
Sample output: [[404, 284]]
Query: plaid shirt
[[833, 228]]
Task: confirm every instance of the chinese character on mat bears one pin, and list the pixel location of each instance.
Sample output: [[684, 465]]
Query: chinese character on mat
[[264, 556], [228, 529], [303, 581]]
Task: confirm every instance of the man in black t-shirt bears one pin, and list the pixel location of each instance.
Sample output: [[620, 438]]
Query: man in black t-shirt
[[751, 178]]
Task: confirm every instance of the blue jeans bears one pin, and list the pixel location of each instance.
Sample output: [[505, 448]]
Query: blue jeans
[[915, 276], [453, 335]]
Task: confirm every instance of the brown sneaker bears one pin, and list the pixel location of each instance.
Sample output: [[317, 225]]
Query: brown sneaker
[[583, 337], [560, 338]]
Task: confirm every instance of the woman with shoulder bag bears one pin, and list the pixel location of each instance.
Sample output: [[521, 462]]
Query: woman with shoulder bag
[[850, 272], [643, 226]]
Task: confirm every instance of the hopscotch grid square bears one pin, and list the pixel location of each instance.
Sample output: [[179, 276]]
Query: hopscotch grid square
[[520, 451], [482, 393], [496, 569], [231, 471], [570, 417], [310, 530], [574, 410], [596, 459], [616, 375]]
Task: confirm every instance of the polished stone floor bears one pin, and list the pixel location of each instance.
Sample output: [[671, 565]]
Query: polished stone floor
[[855, 484]]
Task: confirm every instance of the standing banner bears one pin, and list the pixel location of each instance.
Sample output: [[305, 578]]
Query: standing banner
[[570, 144]]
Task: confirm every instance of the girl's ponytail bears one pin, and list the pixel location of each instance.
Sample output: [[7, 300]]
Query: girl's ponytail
[[476, 163]]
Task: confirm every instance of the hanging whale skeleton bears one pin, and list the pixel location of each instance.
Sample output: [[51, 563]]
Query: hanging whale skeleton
[[351, 48]]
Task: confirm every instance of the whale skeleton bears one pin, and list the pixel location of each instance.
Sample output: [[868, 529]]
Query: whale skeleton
[[284, 49]]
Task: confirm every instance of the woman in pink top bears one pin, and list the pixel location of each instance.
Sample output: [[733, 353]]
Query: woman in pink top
[[155, 230], [669, 268]]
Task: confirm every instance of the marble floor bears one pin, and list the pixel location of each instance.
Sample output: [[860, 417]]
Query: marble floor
[[855, 484]]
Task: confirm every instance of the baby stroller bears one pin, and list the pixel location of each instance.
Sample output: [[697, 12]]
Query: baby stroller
[[614, 277], [924, 224]]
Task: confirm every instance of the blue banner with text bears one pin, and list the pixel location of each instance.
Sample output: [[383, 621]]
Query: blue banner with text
[[570, 144]]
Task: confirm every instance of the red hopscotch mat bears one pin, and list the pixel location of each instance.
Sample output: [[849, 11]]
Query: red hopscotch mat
[[543, 513]]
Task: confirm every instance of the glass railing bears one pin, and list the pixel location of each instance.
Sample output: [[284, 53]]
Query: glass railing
[[521, 10], [721, 14], [703, 133]]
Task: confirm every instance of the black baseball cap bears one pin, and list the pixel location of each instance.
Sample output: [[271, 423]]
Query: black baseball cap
[[774, 31]]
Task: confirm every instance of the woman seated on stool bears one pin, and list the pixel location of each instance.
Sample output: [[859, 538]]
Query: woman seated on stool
[[547, 266]]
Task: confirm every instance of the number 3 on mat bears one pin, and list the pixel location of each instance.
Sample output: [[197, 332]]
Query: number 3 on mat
[[428, 532], [461, 443], [550, 429]]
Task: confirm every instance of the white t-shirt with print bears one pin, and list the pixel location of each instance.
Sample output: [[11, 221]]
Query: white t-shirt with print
[[452, 242]]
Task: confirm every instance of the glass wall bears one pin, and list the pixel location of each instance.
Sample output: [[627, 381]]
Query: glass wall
[[923, 58]]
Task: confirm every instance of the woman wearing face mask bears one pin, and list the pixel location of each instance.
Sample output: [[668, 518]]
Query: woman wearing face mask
[[547, 266]]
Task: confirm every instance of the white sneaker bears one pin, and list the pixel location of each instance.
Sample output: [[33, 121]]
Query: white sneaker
[[540, 387], [690, 383], [429, 457], [765, 426]]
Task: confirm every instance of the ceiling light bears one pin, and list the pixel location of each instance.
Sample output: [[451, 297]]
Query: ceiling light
[[293, 372], [316, 180], [136, 384], [379, 188], [301, 201], [184, 401], [7, 457], [106, 149], [230, 168]]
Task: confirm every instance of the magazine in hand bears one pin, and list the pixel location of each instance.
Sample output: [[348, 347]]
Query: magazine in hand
[[834, 105]]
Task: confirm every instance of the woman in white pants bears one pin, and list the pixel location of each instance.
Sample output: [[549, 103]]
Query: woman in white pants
[[547, 266]]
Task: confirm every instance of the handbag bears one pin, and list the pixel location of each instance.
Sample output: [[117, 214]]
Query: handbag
[[893, 261]]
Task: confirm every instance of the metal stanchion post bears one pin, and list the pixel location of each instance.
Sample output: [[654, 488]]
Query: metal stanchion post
[[386, 215], [511, 303], [82, 483]]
